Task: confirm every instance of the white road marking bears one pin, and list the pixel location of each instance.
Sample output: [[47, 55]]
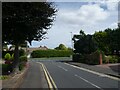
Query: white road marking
[[89, 82], [97, 73], [63, 68]]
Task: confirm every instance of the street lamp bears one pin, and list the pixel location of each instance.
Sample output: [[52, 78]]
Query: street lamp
[[71, 40]]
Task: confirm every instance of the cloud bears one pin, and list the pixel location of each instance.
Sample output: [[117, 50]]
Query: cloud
[[86, 14], [111, 5]]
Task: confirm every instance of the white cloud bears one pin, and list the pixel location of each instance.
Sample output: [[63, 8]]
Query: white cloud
[[110, 4], [86, 14]]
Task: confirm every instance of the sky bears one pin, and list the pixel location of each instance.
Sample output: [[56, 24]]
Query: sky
[[89, 16]]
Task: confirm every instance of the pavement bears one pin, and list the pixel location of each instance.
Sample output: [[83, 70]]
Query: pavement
[[31, 77], [109, 69], [14, 80], [35, 77]]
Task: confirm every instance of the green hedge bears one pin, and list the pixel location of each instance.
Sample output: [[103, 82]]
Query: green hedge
[[51, 53], [92, 58]]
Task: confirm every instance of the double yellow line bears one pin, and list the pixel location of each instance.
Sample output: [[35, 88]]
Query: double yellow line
[[51, 83]]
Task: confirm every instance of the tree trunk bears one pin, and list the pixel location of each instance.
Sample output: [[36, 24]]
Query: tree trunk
[[16, 58]]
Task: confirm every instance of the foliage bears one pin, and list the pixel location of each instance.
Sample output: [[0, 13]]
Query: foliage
[[108, 40], [23, 58], [61, 47], [3, 77], [84, 44], [51, 53], [112, 59], [92, 59], [23, 61], [78, 58], [33, 16], [12, 57], [6, 69], [7, 56], [21, 66], [25, 21], [21, 52]]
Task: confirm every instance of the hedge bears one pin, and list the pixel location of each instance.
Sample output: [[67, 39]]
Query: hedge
[[92, 59], [51, 53]]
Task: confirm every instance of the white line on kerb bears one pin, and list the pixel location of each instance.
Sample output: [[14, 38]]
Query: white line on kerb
[[62, 68], [89, 82]]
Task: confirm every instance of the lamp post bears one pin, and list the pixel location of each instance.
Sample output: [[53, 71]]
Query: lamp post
[[71, 40]]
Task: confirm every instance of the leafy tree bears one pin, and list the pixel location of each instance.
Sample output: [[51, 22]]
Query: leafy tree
[[101, 38], [84, 44], [61, 47], [108, 40], [26, 21]]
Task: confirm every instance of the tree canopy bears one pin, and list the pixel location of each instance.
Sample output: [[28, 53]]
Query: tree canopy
[[26, 21], [83, 43], [61, 47], [107, 41]]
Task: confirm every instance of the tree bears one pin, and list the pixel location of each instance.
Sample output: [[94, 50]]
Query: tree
[[84, 44], [61, 47], [101, 38], [26, 21], [108, 40]]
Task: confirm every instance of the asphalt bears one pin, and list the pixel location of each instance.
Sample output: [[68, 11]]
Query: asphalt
[[66, 76], [109, 69], [35, 77]]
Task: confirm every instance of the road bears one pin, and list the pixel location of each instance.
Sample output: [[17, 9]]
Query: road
[[66, 76]]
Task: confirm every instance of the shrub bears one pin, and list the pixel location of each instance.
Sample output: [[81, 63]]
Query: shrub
[[12, 57], [23, 58], [51, 53], [6, 69], [112, 59], [92, 58], [21, 66], [7, 56], [21, 52], [5, 52], [78, 58]]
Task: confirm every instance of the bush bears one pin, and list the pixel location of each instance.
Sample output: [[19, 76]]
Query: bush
[[21, 52], [21, 66], [12, 57], [6, 69], [7, 56], [78, 58], [92, 59], [51, 53], [23, 58], [5, 52]]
